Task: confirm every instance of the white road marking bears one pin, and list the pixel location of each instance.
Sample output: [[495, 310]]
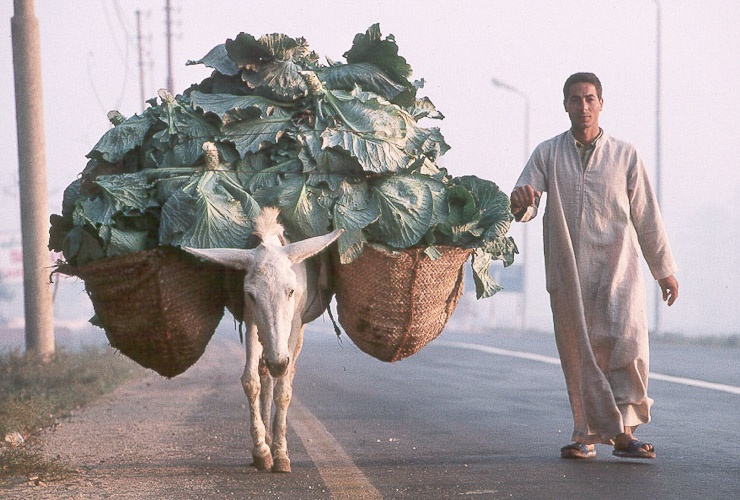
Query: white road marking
[[732, 389], [555, 361], [340, 474]]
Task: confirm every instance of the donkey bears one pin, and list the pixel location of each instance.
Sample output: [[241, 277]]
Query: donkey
[[281, 295]]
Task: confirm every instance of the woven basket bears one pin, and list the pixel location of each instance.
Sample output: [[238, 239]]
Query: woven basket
[[159, 307], [391, 304]]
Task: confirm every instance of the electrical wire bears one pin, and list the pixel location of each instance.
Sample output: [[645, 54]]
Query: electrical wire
[[123, 55]]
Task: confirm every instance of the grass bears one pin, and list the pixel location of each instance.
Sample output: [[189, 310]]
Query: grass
[[36, 395]]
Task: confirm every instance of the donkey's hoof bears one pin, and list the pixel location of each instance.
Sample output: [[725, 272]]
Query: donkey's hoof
[[281, 464], [262, 462]]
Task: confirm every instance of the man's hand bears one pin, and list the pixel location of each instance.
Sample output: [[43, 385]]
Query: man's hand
[[669, 287], [523, 197]]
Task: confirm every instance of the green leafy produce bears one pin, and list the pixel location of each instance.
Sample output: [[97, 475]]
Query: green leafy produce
[[333, 145]]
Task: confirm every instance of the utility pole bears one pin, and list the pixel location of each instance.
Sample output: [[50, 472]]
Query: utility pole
[[39, 307], [170, 79], [142, 94]]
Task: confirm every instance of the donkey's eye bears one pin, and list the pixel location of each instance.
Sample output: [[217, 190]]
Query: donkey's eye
[[290, 292], [250, 296]]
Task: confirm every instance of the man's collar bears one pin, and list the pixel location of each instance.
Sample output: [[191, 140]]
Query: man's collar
[[579, 144]]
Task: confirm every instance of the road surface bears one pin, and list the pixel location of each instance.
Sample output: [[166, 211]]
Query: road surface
[[470, 416]]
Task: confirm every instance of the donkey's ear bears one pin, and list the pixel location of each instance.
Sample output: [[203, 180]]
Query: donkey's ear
[[232, 258], [301, 250]]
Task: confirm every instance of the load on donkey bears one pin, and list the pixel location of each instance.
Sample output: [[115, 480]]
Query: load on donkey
[[339, 149]]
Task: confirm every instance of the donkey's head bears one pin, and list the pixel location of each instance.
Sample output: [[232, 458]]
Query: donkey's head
[[273, 293]]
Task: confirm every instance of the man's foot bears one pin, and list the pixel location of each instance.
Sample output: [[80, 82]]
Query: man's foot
[[626, 446], [578, 450]]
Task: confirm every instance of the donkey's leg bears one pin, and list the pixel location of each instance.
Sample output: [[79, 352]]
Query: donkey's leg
[[283, 393], [266, 399], [262, 459]]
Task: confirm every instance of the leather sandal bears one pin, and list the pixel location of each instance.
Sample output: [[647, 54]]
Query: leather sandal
[[635, 449], [577, 450]]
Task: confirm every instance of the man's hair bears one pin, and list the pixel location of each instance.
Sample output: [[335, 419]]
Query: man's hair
[[582, 78]]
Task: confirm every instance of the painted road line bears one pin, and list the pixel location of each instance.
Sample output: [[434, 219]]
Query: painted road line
[[555, 361], [340, 474], [696, 383], [500, 352]]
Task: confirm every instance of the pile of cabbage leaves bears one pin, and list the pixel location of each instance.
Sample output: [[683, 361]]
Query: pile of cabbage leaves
[[333, 145]]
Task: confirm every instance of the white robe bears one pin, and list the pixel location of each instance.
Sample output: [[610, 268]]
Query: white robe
[[596, 221]]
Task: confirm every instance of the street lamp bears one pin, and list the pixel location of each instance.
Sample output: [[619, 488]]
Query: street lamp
[[525, 229], [658, 293]]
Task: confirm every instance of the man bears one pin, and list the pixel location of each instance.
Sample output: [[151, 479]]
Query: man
[[601, 213]]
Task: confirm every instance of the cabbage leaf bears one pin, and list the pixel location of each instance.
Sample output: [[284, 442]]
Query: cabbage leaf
[[337, 145], [211, 210]]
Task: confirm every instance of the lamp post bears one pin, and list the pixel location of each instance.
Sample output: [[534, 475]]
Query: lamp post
[[525, 229], [658, 22]]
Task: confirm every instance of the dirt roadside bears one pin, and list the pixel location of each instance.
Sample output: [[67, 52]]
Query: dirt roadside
[[186, 437]]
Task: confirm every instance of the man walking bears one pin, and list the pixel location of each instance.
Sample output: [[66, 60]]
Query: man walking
[[601, 215]]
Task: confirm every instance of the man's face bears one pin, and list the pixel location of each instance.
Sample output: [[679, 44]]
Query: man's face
[[583, 106]]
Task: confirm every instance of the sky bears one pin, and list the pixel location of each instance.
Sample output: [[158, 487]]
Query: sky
[[90, 65]]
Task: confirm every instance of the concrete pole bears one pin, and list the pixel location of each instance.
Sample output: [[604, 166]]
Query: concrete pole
[[39, 307], [142, 94], [170, 78]]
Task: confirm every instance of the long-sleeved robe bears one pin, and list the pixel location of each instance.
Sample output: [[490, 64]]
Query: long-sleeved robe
[[597, 220]]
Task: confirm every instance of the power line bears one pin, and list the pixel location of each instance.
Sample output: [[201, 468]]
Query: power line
[[123, 53]]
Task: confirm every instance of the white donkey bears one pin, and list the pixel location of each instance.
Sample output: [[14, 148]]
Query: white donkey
[[281, 295]]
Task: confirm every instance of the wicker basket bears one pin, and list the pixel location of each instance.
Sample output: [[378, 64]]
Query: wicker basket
[[391, 304], [159, 307]]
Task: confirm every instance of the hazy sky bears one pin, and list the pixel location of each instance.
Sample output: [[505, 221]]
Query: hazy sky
[[90, 65]]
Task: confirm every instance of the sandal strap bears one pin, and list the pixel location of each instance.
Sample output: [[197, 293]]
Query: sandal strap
[[637, 445]]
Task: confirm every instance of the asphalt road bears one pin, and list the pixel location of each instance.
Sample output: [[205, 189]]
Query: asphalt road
[[457, 420], [469, 416]]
